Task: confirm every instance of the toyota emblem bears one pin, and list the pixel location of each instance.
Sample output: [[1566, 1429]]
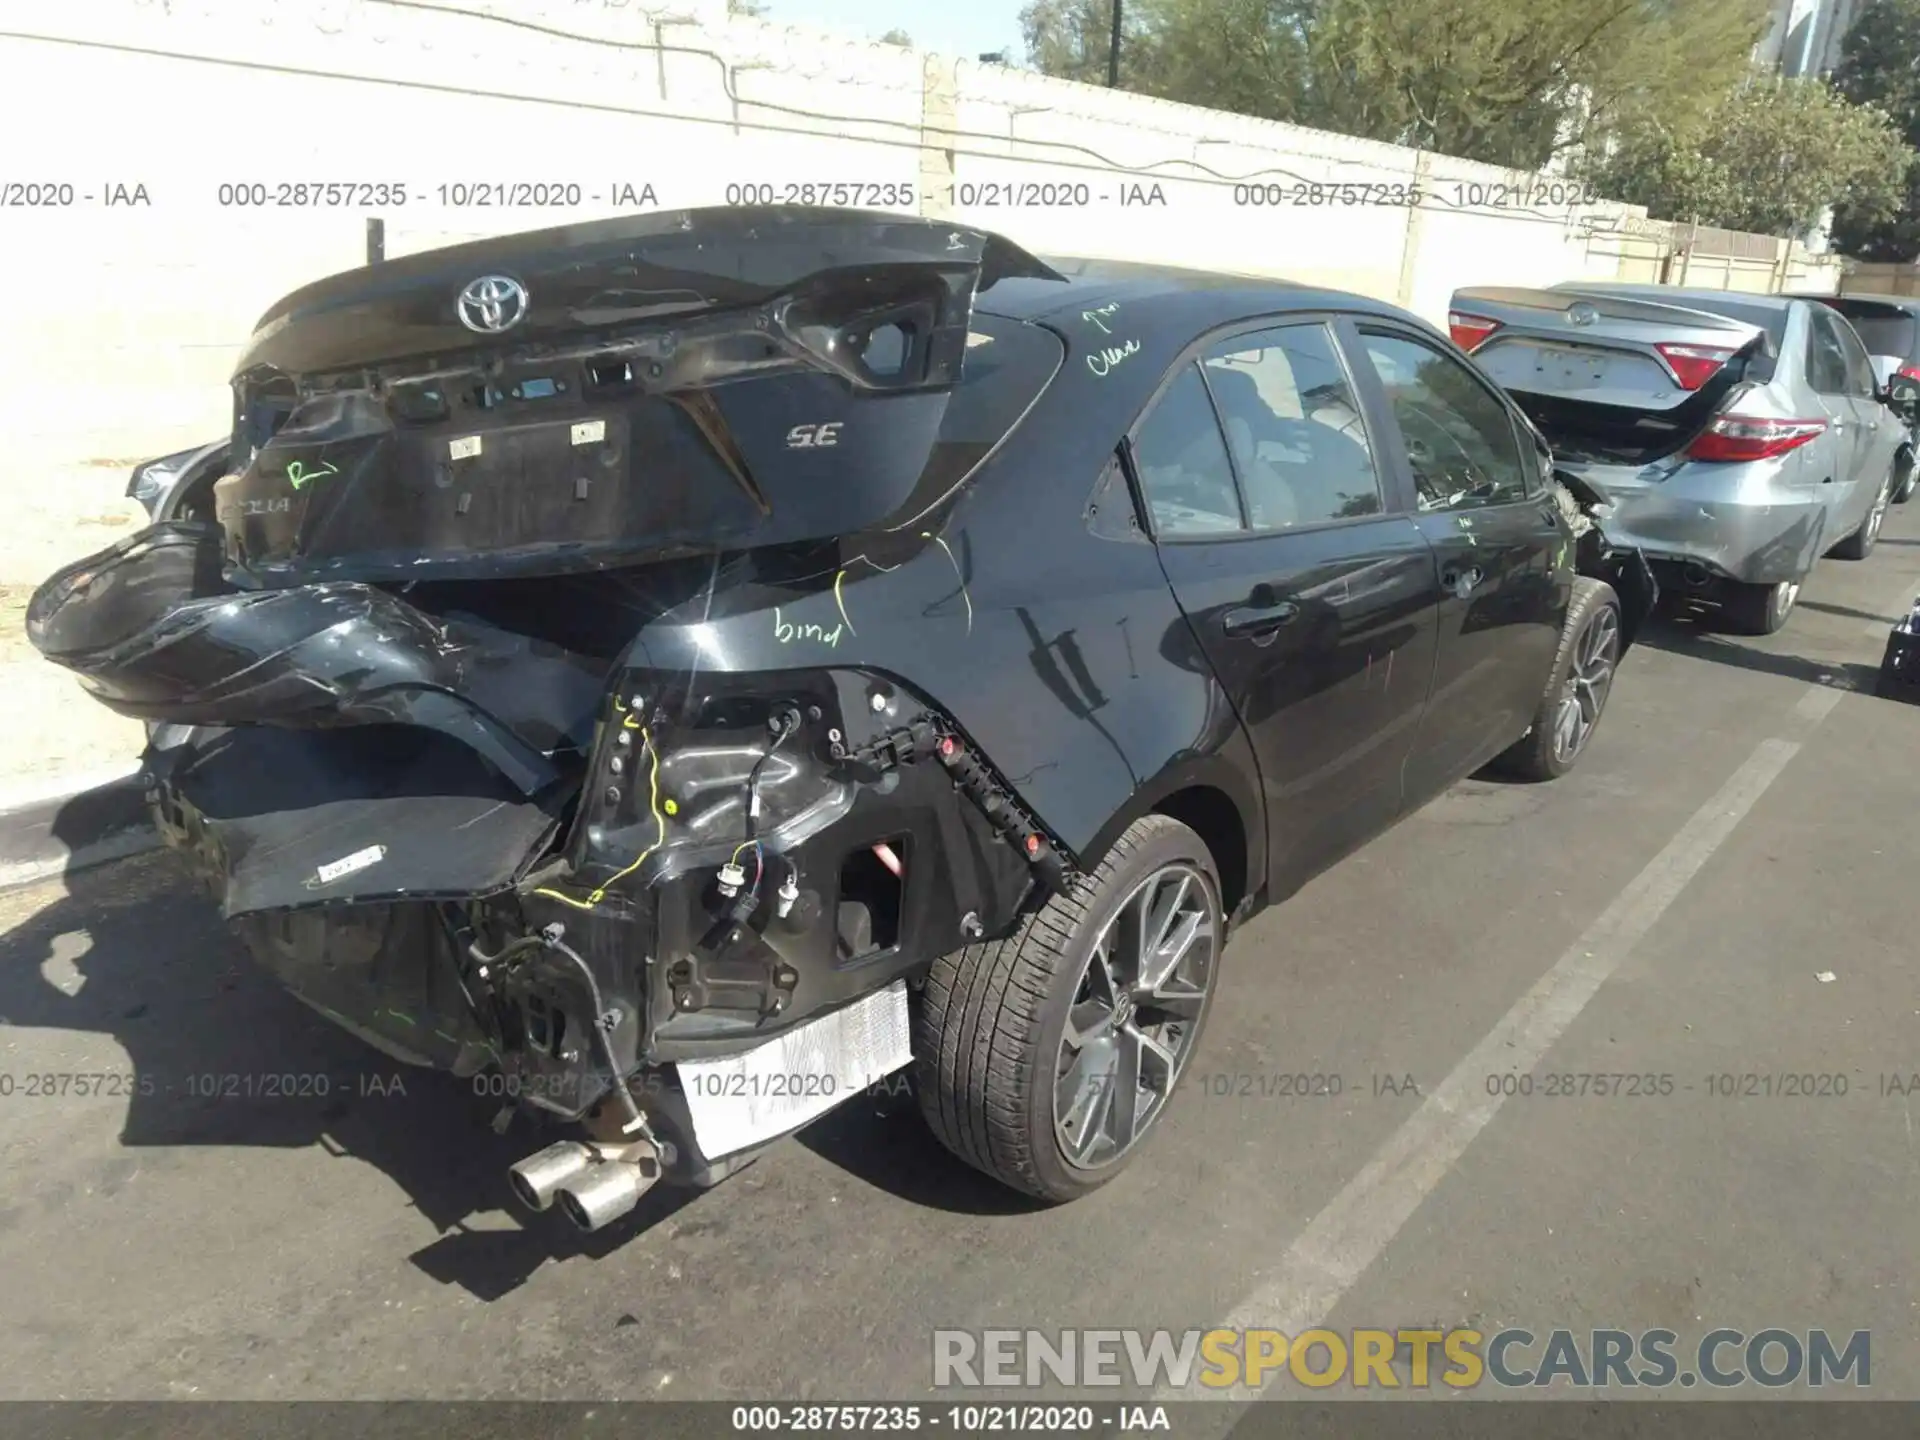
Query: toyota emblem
[[1581, 313], [492, 303]]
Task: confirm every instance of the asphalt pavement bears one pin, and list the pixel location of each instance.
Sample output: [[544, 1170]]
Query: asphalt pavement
[[1723, 890]]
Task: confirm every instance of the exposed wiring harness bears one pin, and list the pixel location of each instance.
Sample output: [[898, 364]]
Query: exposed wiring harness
[[551, 938], [599, 893], [784, 722]]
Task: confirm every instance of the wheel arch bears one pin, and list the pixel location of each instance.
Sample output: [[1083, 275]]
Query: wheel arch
[[1212, 798]]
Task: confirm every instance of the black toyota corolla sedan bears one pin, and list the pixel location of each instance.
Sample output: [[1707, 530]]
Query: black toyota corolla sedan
[[681, 671]]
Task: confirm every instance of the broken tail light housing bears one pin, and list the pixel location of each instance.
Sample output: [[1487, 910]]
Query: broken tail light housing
[[1469, 331], [1693, 365], [1752, 437]]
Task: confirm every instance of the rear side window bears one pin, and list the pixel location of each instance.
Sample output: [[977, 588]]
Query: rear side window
[[1826, 360], [1293, 427], [1859, 364], [1461, 441], [1181, 459], [1886, 334]]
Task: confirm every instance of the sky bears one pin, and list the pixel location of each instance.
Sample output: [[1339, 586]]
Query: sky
[[965, 28]]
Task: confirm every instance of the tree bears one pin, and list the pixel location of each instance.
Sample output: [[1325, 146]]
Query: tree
[[897, 37], [1070, 39], [1491, 80], [1880, 65], [751, 9], [1770, 158]]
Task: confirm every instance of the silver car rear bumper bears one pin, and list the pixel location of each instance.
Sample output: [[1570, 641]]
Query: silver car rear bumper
[[1739, 522]]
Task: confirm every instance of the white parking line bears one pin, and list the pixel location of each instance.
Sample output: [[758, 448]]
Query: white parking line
[[1345, 1238]]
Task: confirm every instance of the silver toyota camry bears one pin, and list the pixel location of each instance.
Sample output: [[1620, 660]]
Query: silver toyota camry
[[1739, 438]]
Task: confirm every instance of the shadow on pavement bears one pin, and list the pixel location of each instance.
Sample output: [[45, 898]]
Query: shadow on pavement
[[1847, 610], [1694, 632], [882, 1140], [218, 1054]]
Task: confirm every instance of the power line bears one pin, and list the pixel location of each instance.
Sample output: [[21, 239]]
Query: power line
[[1096, 161]]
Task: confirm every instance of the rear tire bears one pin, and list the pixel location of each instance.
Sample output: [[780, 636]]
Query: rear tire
[[1859, 544], [1011, 1033], [1759, 609], [1577, 688]]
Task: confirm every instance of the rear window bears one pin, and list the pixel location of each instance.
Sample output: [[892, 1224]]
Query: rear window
[[847, 460], [1885, 334]]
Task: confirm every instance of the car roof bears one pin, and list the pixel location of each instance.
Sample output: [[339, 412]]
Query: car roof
[[1088, 282]]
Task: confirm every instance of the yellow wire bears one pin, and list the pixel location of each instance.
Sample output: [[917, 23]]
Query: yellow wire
[[653, 805]]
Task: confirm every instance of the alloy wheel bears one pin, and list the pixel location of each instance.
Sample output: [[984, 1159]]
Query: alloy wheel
[[1595, 654], [1134, 1016]]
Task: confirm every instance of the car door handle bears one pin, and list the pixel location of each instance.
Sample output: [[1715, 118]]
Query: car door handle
[[1461, 582], [1256, 621]]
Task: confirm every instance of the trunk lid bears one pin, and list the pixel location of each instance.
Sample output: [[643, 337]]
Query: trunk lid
[[650, 387], [1609, 377], [602, 277]]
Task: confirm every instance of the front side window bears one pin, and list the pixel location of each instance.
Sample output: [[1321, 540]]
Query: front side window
[[1460, 439], [1181, 459], [1293, 427]]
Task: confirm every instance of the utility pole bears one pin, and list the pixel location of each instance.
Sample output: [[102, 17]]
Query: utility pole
[[1113, 49]]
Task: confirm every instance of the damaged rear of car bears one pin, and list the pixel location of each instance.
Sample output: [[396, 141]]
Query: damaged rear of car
[[500, 701], [1738, 437], [691, 667]]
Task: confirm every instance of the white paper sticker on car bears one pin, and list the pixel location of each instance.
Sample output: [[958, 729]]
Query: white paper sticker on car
[[347, 864], [589, 432], [793, 1078], [464, 449]]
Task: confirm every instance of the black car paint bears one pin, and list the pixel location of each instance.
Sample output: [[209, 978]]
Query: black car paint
[[1080, 672]]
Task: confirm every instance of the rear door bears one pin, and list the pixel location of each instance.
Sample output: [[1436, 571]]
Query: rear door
[[1497, 541], [1306, 583]]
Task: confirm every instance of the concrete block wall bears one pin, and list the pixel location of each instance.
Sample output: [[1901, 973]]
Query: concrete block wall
[[127, 318]]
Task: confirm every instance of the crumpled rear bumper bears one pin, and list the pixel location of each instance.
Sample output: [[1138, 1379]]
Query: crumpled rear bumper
[[1744, 522], [153, 632], [476, 849]]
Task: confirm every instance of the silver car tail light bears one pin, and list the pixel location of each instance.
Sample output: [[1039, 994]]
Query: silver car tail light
[[1693, 365], [1752, 437]]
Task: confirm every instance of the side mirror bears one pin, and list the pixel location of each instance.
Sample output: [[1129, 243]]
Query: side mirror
[[1901, 394]]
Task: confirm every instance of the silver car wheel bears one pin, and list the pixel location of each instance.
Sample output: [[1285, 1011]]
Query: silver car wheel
[[1134, 1015], [1879, 511], [1595, 654]]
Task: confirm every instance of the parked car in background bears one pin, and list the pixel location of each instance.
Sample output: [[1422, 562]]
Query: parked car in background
[[903, 651], [1889, 326], [1738, 437]]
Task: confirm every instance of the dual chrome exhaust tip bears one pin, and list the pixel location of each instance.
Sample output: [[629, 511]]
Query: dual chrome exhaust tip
[[593, 1185]]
